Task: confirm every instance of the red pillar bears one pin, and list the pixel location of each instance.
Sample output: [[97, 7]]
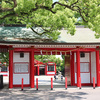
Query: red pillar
[[11, 68], [78, 66], [32, 68], [97, 68]]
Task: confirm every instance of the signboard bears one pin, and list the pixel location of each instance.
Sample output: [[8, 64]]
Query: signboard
[[21, 68]]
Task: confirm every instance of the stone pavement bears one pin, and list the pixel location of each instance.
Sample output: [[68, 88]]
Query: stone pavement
[[42, 80], [45, 93]]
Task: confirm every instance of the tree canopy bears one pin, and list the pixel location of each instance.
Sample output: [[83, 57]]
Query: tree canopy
[[51, 16]]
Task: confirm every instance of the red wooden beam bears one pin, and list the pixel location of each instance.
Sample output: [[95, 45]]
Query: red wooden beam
[[32, 68], [97, 68], [22, 49], [78, 66], [58, 51], [11, 68]]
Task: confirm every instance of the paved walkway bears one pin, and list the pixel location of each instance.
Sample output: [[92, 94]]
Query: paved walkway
[[56, 94], [43, 81], [45, 92], [46, 80]]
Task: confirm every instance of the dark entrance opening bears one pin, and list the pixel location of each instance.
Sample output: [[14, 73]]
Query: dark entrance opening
[[42, 71]]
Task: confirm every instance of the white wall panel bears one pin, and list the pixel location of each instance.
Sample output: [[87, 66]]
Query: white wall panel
[[17, 79], [75, 77], [93, 66], [17, 58], [85, 77], [50, 72], [83, 59]]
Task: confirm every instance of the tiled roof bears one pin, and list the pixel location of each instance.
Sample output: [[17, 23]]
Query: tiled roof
[[22, 34]]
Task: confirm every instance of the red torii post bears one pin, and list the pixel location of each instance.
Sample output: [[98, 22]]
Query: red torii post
[[38, 68], [32, 68], [97, 68], [78, 66], [11, 67]]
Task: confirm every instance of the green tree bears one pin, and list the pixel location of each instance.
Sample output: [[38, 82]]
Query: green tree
[[51, 16], [4, 57]]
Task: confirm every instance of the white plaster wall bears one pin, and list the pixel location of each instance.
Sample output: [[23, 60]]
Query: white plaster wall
[[18, 77], [93, 66], [85, 77], [50, 72], [83, 59], [17, 58]]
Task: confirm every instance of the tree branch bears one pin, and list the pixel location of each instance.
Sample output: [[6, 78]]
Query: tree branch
[[67, 6], [8, 9], [71, 7], [8, 2], [37, 32], [80, 12], [45, 31], [43, 7], [8, 15], [75, 3]]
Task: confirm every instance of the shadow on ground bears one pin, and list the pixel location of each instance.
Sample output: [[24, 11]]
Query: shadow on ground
[[40, 95], [44, 93]]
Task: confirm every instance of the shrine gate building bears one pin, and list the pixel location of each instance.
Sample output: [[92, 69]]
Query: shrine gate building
[[81, 54]]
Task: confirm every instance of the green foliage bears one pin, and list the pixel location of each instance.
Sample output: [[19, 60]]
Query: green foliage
[[52, 17], [4, 57]]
